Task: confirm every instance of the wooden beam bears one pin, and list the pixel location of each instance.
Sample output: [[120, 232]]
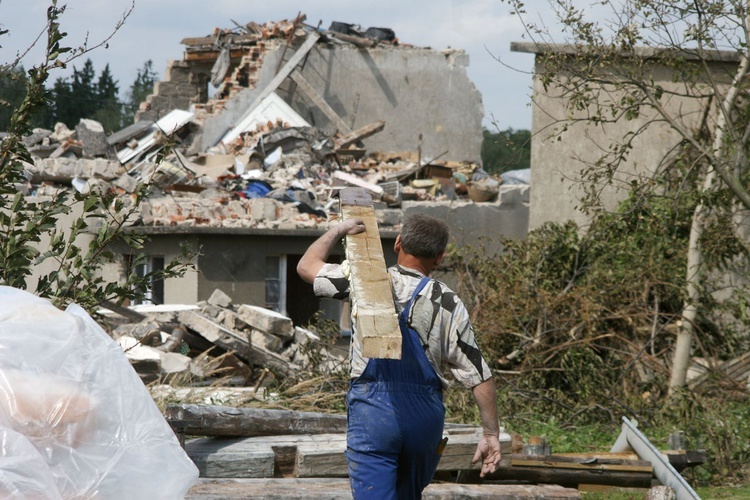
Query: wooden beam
[[211, 40], [326, 459], [374, 311], [212, 55], [309, 456], [216, 458], [565, 477], [203, 420], [679, 459], [569, 471], [461, 446], [360, 133], [240, 453], [339, 489], [602, 465], [319, 102], [123, 311]]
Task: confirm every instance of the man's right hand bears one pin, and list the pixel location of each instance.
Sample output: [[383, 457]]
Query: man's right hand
[[352, 226], [488, 451]]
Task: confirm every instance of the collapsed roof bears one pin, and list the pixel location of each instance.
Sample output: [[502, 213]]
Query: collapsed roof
[[297, 114]]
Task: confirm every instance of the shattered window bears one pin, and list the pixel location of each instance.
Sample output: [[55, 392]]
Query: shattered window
[[155, 292], [275, 276]]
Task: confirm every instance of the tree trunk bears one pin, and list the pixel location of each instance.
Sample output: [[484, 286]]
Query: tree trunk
[[683, 344]]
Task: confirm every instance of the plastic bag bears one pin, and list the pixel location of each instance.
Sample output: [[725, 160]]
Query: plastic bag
[[75, 419]]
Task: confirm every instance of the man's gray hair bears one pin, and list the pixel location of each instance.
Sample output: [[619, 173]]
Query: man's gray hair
[[424, 236]]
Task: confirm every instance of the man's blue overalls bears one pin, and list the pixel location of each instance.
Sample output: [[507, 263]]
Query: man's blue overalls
[[395, 421]]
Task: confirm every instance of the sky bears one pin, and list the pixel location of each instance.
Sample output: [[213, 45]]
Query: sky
[[154, 29]]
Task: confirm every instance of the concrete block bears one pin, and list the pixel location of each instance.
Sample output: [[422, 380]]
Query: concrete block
[[661, 493], [263, 209], [389, 217], [287, 212], [266, 340], [174, 362], [514, 194], [267, 320], [62, 133], [142, 358], [303, 335], [147, 216], [126, 182], [217, 334], [91, 134], [136, 330], [219, 298], [66, 169], [236, 209]]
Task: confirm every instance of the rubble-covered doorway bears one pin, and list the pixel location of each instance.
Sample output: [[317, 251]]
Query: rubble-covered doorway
[[301, 302]]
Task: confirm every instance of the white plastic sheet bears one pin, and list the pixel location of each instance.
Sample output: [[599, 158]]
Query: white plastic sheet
[[75, 419]]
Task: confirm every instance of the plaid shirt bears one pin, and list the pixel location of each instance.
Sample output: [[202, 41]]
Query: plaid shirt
[[438, 316]]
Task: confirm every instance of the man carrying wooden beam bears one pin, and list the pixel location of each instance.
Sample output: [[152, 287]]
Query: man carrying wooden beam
[[395, 406]]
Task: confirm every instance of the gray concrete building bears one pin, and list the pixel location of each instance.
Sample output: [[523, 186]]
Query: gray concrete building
[[564, 142]]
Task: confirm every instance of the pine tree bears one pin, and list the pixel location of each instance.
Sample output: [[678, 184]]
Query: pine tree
[[506, 150], [84, 92], [63, 107], [109, 109]]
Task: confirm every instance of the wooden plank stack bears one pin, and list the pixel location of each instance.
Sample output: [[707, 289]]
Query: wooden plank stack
[[372, 300], [261, 453]]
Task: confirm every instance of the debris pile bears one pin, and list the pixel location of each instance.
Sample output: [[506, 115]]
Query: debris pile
[[215, 340], [275, 176], [270, 153]]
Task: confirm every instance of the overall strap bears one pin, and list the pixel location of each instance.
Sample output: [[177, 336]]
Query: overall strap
[[422, 283]]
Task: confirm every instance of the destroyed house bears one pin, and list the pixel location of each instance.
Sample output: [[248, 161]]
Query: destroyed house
[[248, 175], [336, 82]]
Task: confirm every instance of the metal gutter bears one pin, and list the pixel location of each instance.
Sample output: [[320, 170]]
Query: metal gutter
[[632, 439]]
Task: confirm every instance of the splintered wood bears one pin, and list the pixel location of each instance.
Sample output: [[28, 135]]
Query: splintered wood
[[374, 312]]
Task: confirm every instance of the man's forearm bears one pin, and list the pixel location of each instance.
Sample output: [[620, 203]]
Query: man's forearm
[[315, 256], [486, 398]]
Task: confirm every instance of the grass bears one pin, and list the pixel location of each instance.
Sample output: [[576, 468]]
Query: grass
[[706, 493], [736, 492]]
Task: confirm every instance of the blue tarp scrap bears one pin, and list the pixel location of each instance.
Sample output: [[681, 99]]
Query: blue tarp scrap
[[255, 189]]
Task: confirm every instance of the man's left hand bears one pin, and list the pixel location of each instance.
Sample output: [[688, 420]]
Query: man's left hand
[[488, 451]]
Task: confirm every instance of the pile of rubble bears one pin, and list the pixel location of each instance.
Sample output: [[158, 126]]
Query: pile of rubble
[[275, 176], [216, 340], [272, 169]]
